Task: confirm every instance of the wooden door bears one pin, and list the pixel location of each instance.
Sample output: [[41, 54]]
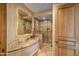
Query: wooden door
[[65, 37], [77, 28], [2, 29]]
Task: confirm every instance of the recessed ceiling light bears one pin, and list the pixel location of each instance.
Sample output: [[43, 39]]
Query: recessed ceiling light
[[44, 18]]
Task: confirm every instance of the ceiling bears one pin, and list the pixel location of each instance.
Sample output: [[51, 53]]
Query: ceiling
[[58, 4], [47, 17], [39, 7]]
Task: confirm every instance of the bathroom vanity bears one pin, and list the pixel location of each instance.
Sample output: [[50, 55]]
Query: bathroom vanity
[[24, 46]]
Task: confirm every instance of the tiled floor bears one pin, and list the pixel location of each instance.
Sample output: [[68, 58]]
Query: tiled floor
[[46, 50]]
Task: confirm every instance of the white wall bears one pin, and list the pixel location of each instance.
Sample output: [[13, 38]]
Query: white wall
[[11, 23]]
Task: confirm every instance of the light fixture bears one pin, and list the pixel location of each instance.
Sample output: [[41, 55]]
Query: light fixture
[[44, 18]]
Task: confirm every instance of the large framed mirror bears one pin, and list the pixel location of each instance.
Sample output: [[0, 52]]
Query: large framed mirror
[[24, 24], [27, 25]]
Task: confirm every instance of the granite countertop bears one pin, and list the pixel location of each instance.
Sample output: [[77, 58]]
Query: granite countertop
[[21, 45]]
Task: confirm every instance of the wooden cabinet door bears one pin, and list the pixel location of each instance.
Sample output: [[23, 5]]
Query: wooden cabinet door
[[2, 29], [65, 40]]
